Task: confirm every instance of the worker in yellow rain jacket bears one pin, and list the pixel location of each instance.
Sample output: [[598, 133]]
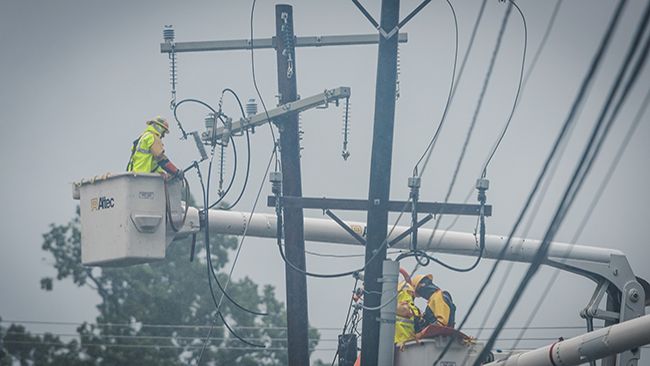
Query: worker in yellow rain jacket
[[148, 151], [440, 307], [407, 314]]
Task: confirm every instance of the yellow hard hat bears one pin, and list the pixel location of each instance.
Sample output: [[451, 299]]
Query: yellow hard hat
[[405, 286], [160, 124], [417, 278]]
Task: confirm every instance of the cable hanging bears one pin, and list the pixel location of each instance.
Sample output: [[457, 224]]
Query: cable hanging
[[598, 136], [587, 81]]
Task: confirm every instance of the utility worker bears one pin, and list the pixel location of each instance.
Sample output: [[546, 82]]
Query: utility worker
[[440, 307], [148, 151], [407, 314]]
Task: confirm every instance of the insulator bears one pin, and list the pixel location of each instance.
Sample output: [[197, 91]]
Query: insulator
[[222, 169], [345, 153], [300, 133], [168, 36], [168, 33], [399, 69], [251, 107], [209, 121]]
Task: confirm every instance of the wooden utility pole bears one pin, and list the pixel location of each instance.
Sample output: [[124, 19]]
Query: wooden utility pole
[[380, 172], [294, 242]]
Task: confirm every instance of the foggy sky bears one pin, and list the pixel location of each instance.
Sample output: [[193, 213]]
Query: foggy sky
[[79, 78]]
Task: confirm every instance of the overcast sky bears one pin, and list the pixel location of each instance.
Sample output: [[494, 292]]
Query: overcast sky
[[79, 78]]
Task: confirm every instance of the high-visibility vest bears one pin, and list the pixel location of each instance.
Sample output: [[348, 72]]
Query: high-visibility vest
[[142, 159], [405, 327]]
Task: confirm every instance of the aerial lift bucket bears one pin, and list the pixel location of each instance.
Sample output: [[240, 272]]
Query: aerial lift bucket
[[125, 218]]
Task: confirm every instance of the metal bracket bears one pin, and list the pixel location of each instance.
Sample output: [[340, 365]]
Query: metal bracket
[[412, 229], [592, 311], [232, 128], [345, 227], [434, 208], [617, 273]]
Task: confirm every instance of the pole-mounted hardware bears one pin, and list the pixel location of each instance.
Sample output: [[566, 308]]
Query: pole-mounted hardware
[[221, 135]]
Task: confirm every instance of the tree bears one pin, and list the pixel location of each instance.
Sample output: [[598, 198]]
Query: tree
[[156, 314]]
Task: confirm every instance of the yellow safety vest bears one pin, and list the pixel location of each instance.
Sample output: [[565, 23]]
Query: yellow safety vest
[[405, 327], [142, 159]]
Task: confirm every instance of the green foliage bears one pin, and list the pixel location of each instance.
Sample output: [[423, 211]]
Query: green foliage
[[142, 307]]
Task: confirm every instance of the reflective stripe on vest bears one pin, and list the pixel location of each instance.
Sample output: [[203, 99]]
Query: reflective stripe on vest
[[403, 320]]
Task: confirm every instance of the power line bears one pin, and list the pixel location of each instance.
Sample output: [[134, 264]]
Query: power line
[[529, 72], [199, 326], [592, 149], [542, 44], [434, 139], [610, 172], [257, 89], [241, 243], [517, 95], [568, 122], [488, 75]]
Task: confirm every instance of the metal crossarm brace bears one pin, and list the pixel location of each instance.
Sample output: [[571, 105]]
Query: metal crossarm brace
[[345, 227], [412, 229], [322, 99], [266, 43], [434, 208]]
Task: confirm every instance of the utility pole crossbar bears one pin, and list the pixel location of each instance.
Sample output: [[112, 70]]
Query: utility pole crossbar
[[266, 43], [435, 208]]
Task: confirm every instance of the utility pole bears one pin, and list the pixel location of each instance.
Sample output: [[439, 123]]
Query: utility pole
[[284, 43], [297, 318], [380, 173]]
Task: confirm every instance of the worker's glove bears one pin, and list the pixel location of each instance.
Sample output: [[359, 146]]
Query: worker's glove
[[178, 175]]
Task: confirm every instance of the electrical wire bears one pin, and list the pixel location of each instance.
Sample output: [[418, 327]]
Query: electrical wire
[[209, 268], [241, 243], [517, 95], [232, 142], [327, 255], [292, 266], [590, 210], [470, 131], [532, 218], [257, 90], [529, 72], [590, 153], [542, 44], [200, 326], [248, 149], [434, 138], [347, 317], [587, 81]]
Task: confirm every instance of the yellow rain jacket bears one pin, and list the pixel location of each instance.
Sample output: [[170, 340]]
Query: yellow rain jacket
[[407, 313], [147, 151]]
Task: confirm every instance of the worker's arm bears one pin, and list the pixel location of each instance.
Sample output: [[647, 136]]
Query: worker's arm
[[158, 152]]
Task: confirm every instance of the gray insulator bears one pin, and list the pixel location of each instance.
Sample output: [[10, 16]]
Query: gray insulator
[[168, 33], [251, 107], [209, 121]]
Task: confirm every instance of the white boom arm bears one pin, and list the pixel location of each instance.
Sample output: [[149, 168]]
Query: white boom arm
[[609, 268], [451, 242], [587, 347]]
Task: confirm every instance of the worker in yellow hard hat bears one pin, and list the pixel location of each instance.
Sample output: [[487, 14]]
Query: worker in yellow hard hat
[[441, 309], [148, 151]]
